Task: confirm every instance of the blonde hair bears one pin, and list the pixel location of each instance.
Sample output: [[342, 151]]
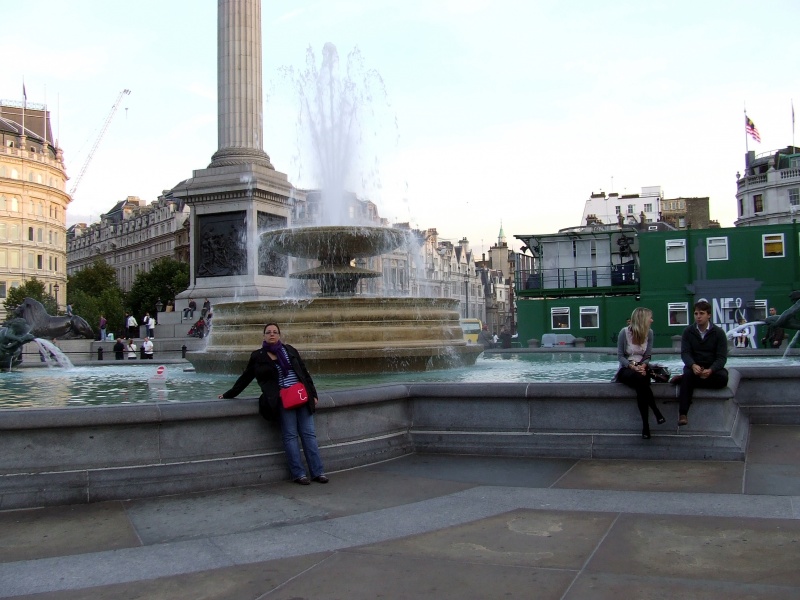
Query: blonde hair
[[640, 324]]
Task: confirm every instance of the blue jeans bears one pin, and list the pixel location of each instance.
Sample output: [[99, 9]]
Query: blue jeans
[[299, 423]]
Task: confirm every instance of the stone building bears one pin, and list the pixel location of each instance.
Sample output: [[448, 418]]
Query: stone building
[[649, 207], [687, 213], [33, 201], [769, 191], [130, 237]]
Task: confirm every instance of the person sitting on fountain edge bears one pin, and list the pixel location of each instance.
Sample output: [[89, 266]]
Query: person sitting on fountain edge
[[704, 351], [275, 366]]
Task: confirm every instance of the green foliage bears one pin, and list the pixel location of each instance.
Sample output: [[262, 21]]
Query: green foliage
[[33, 288], [92, 280], [167, 278], [109, 303], [93, 292]]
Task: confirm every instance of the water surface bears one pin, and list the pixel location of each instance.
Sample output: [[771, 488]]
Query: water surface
[[82, 386]]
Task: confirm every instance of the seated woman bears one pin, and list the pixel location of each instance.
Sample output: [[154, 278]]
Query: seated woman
[[276, 366], [634, 346]]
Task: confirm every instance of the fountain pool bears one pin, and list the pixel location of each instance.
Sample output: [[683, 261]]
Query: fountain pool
[[128, 384]]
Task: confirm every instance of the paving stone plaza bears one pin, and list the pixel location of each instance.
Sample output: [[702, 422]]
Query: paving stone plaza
[[437, 526]]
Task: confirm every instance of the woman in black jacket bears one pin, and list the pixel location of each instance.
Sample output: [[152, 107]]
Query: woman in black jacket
[[275, 366]]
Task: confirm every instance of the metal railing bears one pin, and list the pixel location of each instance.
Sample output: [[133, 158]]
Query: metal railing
[[576, 278]]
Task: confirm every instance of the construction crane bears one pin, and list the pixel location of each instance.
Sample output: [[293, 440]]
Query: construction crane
[[110, 116]]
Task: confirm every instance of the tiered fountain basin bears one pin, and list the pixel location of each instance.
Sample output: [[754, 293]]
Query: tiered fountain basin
[[343, 334], [339, 331]]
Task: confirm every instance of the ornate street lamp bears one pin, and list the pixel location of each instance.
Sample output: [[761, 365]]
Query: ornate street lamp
[[55, 289], [159, 305]]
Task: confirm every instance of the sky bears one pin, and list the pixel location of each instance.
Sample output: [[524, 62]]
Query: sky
[[501, 112]]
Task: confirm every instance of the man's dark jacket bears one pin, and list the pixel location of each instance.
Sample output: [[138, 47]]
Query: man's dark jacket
[[710, 352], [263, 369]]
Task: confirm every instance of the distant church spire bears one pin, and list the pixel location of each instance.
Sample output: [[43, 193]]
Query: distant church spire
[[501, 237]]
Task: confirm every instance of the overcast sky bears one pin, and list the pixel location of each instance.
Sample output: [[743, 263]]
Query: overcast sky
[[509, 111]]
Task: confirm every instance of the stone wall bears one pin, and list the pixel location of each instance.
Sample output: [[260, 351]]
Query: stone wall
[[91, 454]]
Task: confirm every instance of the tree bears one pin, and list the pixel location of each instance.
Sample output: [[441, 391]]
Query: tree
[[167, 278], [33, 288], [94, 280], [93, 292]]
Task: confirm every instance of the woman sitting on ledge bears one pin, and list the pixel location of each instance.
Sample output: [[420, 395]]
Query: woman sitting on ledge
[[275, 366], [634, 346]]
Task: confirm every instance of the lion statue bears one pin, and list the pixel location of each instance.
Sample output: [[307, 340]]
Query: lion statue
[[48, 327], [13, 335]]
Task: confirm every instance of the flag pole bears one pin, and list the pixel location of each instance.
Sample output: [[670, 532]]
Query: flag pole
[[793, 149], [24, 105]]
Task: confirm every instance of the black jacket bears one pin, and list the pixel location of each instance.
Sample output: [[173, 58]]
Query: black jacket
[[710, 352], [264, 370]]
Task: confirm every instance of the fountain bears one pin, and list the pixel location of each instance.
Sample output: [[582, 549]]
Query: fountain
[[338, 330]]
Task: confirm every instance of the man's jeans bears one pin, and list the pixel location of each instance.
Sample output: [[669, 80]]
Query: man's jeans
[[299, 423]]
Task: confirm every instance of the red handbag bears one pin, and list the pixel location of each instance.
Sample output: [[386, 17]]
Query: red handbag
[[294, 396]]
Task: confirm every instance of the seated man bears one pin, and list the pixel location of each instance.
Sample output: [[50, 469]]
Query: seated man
[[704, 351]]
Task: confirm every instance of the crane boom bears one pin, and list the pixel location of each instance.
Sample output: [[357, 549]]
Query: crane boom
[[110, 116]]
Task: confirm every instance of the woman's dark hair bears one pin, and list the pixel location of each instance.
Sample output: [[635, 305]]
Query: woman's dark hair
[[278, 327]]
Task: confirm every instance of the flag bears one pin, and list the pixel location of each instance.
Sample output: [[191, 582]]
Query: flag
[[24, 94], [750, 128]]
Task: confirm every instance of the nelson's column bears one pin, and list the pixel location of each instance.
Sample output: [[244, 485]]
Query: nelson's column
[[240, 193]]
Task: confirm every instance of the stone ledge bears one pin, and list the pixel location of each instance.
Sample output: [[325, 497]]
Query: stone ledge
[[53, 456]]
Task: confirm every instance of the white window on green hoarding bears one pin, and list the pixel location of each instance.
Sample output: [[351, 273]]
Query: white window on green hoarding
[[676, 251], [559, 317], [717, 248], [590, 317], [678, 314], [772, 245]]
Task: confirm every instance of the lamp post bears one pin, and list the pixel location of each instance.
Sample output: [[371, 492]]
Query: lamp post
[[159, 306], [55, 289], [466, 293]]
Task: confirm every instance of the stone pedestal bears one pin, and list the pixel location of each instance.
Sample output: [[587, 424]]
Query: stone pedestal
[[231, 205]]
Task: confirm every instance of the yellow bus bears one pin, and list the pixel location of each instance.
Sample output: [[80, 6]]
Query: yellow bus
[[471, 329]]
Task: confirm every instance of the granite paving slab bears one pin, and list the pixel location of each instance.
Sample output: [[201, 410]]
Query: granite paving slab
[[358, 576], [482, 470], [745, 550], [610, 586], [774, 444], [239, 582], [723, 477], [64, 530], [540, 538]]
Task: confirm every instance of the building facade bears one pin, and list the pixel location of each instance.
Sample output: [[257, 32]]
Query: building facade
[[646, 208], [130, 237], [741, 271], [33, 202], [769, 191]]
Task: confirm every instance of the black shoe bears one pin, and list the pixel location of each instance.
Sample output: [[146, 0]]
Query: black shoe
[[660, 419], [321, 479], [645, 434], [302, 480]]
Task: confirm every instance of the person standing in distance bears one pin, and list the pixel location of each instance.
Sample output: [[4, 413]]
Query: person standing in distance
[[704, 352], [274, 366]]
